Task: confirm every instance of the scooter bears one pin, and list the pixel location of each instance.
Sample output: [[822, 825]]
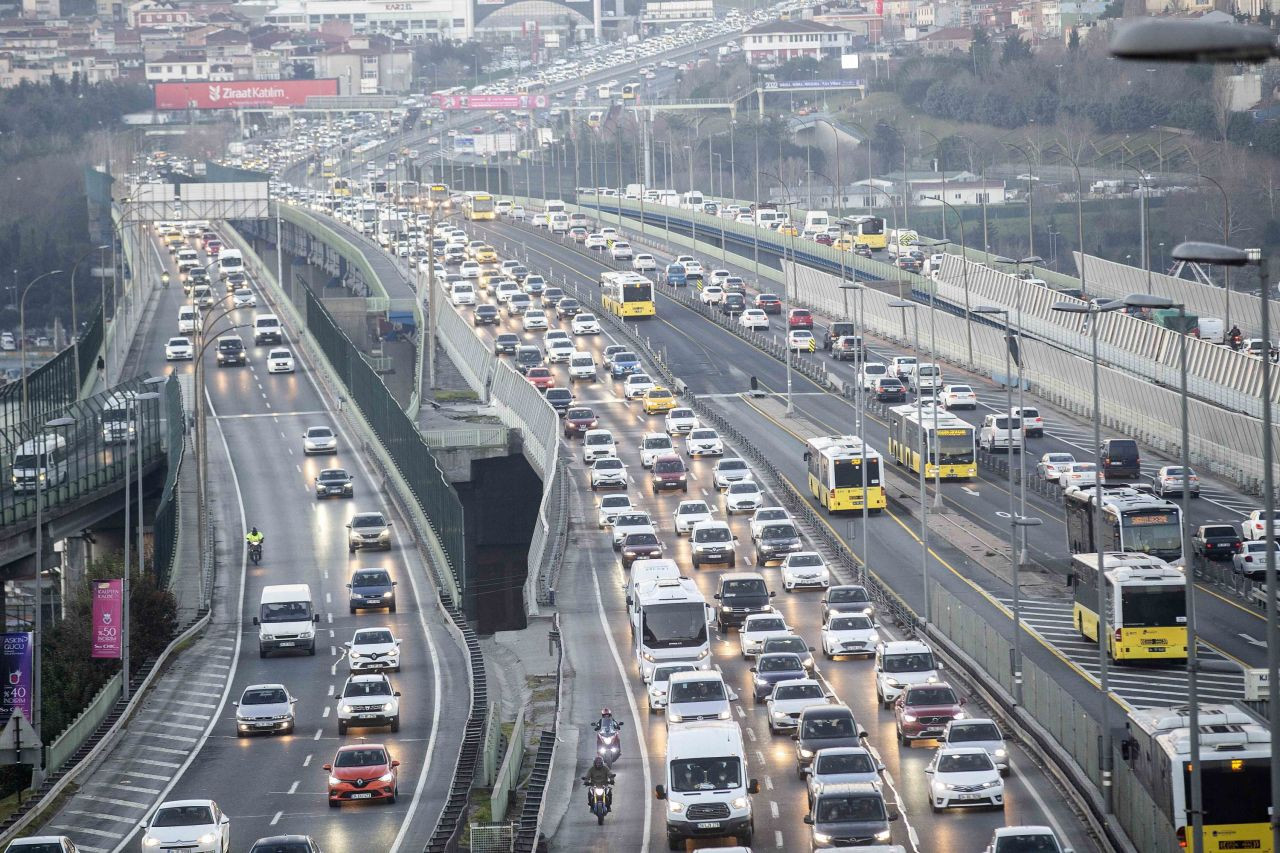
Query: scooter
[[599, 798], [255, 552], [608, 744]]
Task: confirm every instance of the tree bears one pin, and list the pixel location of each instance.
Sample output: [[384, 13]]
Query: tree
[[1015, 50], [980, 52], [1073, 43]]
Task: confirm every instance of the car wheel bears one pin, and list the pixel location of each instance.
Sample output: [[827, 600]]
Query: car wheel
[[393, 607], [353, 610], [391, 800], [799, 772], [733, 564], [827, 654], [262, 653], [342, 727], [674, 843], [933, 807], [333, 804]]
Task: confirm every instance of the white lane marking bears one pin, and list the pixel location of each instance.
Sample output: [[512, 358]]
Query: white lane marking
[[128, 804], [751, 734], [319, 732], [631, 704], [777, 838], [293, 789], [773, 809], [768, 783], [306, 762], [276, 817], [325, 713], [973, 492]]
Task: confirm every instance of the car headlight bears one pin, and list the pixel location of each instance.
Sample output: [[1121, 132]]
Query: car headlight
[[739, 803], [647, 656], [674, 718], [893, 682], [821, 837], [334, 780], [344, 708], [806, 753], [933, 679], [386, 777], [909, 718], [779, 715], [150, 841], [724, 715], [959, 715], [883, 835], [676, 808], [1000, 753], [208, 838], [388, 706], [873, 638]]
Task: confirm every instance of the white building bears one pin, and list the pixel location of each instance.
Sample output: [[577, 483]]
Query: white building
[[776, 42], [415, 20]]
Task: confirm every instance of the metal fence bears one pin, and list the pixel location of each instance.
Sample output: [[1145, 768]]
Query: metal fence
[[167, 521], [508, 773], [53, 384]]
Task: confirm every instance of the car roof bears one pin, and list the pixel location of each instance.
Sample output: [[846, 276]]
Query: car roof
[[905, 647], [180, 803]]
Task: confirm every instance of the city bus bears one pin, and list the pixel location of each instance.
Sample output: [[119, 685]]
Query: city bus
[[627, 294], [340, 187], [408, 190], [1235, 775], [949, 441], [1145, 605], [438, 194], [630, 91], [478, 206], [869, 230], [669, 622], [837, 464], [1132, 521], [329, 169]]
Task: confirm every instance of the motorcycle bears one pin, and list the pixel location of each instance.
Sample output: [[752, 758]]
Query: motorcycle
[[599, 799], [255, 552], [608, 743]]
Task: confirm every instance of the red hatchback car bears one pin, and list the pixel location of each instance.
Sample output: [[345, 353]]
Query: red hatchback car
[[922, 711], [769, 303], [578, 420], [362, 772], [541, 377], [799, 318]]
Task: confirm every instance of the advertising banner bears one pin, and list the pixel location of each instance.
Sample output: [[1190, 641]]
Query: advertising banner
[[490, 102], [16, 694], [242, 93], [108, 618]]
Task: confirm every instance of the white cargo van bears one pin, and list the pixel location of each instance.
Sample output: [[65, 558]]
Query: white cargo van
[[692, 200], [1001, 431], [1212, 330], [267, 330], [706, 784], [558, 223], [286, 619], [582, 365], [815, 222], [553, 206], [769, 218], [229, 261], [923, 377], [188, 320]]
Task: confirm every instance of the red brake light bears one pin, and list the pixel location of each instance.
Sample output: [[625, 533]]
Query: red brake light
[[1182, 836]]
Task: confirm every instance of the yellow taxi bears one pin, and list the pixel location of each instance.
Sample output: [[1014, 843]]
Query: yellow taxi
[[486, 255], [489, 279], [788, 230], [658, 400]]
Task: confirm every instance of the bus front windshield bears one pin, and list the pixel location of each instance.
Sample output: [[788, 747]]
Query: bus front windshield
[[1152, 606], [680, 625], [482, 204], [1152, 533], [637, 293], [955, 447], [871, 226], [848, 473]]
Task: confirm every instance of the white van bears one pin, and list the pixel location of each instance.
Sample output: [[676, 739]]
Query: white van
[[1001, 431], [286, 619], [558, 223], [706, 784], [768, 218], [553, 206], [229, 261], [923, 377], [815, 222], [8, 342], [188, 320], [582, 365], [41, 458], [1212, 330], [462, 293], [267, 329], [692, 200]]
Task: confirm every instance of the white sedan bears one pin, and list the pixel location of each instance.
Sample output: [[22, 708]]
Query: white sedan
[[689, 513], [534, 318], [636, 386], [958, 397], [585, 324], [371, 649], [849, 634], [754, 318], [1255, 526], [759, 627], [595, 240], [805, 568], [179, 349], [789, 698], [198, 826], [608, 472], [1051, 465], [743, 496], [964, 776], [243, 298], [704, 441], [279, 361], [620, 251], [801, 340], [644, 262], [1078, 475], [469, 269], [681, 420]]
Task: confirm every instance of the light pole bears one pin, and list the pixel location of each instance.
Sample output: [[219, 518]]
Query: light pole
[[1031, 228], [924, 464], [1094, 311], [839, 196], [1079, 217], [22, 338], [1022, 474], [858, 405], [937, 146], [136, 409], [906, 182], [42, 478], [1143, 187], [786, 284], [1226, 239]]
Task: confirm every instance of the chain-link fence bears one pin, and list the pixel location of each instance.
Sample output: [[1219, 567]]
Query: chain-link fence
[[492, 837]]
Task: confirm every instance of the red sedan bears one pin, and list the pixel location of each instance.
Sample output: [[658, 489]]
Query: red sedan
[[769, 303], [922, 711], [362, 772], [799, 318], [541, 377]]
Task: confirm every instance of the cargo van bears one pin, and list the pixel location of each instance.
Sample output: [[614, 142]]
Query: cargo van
[[558, 223], [188, 320], [286, 619], [1212, 330], [1120, 459], [815, 222], [767, 218], [582, 365], [553, 206], [229, 261], [267, 329], [692, 200], [39, 459], [706, 784], [1001, 431], [924, 377]]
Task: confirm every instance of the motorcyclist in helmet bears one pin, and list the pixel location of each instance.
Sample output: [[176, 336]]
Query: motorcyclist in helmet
[[607, 725], [253, 537], [598, 775], [1235, 337]]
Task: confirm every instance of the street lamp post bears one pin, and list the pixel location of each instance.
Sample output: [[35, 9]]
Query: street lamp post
[[1226, 239], [42, 479], [136, 414], [1031, 229], [787, 274], [1022, 473], [22, 338], [937, 145], [1093, 311], [858, 404], [924, 456]]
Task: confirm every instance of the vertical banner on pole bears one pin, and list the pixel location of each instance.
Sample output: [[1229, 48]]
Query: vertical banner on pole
[[16, 693], [108, 618]]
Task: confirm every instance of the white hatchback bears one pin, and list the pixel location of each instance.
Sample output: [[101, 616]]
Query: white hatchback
[[280, 361], [689, 513], [849, 634], [644, 262], [371, 649], [636, 385], [585, 324], [681, 420], [611, 506], [743, 496], [534, 318], [805, 568], [759, 627], [704, 441]]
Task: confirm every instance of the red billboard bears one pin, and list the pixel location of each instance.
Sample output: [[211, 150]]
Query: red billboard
[[238, 94], [490, 102]]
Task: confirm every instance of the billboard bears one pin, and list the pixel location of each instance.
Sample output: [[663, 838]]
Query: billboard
[[490, 102], [15, 694], [108, 618], [238, 94]]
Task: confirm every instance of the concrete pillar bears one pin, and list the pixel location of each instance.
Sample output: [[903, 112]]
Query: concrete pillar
[[75, 563]]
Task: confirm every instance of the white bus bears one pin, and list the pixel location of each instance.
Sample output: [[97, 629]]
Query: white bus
[[42, 458], [670, 622]]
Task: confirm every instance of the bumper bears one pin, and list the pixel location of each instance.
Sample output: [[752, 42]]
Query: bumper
[[380, 791], [701, 558], [820, 582], [244, 728], [334, 493], [279, 368], [659, 485], [309, 449], [362, 544], [950, 799], [308, 644], [367, 604], [743, 506], [367, 721], [682, 829], [706, 451], [918, 732], [366, 665]]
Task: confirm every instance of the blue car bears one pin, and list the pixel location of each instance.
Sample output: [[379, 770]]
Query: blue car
[[675, 275], [624, 364]]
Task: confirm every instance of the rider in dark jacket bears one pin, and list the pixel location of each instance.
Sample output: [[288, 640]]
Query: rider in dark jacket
[[599, 775]]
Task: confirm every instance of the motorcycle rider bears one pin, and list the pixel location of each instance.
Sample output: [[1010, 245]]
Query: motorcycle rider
[[599, 776], [253, 537], [1235, 337], [606, 725]]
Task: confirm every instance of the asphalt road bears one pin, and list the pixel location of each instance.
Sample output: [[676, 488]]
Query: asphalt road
[[274, 785]]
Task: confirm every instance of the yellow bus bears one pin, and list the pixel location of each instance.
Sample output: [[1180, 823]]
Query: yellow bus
[[1145, 605], [1235, 775], [330, 168], [438, 194], [844, 473], [478, 206], [630, 91], [627, 294], [870, 231], [1132, 521], [340, 187], [949, 442]]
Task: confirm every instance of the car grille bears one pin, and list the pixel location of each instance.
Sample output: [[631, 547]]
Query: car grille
[[707, 811], [288, 636], [366, 709], [968, 789], [851, 840], [935, 721]]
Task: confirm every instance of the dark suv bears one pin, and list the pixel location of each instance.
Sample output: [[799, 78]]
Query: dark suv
[[669, 472], [527, 357], [776, 541], [230, 351], [372, 588], [1120, 458], [741, 594]]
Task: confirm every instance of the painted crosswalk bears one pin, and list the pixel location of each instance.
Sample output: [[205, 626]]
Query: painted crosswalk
[[1140, 686]]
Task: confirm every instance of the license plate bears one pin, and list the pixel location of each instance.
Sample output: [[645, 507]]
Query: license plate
[[367, 716], [265, 725], [1157, 649], [287, 644], [364, 796], [968, 797], [709, 824], [1240, 845]]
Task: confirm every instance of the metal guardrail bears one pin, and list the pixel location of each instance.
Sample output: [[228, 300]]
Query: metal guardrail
[[483, 436]]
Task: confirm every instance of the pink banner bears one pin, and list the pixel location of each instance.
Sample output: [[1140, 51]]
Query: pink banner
[[108, 618], [490, 102]]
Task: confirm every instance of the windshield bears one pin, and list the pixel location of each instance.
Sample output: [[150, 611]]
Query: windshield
[[744, 489], [931, 696], [264, 696], [1233, 793], [599, 438], [660, 441], [850, 809], [183, 816], [615, 502], [706, 774], [798, 691], [378, 578], [679, 625], [642, 539], [844, 762], [26, 460], [369, 638], [713, 534], [804, 560], [368, 521], [1038, 843], [319, 432], [768, 623], [732, 465], [698, 508], [821, 728], [707, 690], [286, 611], [750, 588], [976, 731], [361, 758], [1148, 532], [955, 446], [366, 688], [969, 762], [675, 466], [611, 462], [847, 595], [916, 662], [779, 531], [847, 473], [851, 623], [786, 644], [1153, 606], [632, 519], [703, 433]]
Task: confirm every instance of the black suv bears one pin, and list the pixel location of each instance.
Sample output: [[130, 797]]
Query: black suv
[[527, 357], [506, 343], [486, 315], [740, 595], [835, 332], [230, 351], [776, 541]]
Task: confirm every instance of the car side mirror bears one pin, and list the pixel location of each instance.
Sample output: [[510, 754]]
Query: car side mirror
[[893, 814], [808, 819], [348, 586], [753, 669], [964, 702], [773, 593], [347, 644], [225, 820], [929, 769], [822, 601], [716, 597], [236, 704], [326, 766], [660, 792], [396, 694], [316, 618], [811, 648], [862, 733], [395, 763], [753, 787], [348, 526], [795, 736], [255, 620]]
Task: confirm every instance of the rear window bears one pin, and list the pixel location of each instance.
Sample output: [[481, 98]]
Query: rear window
[[1219, 530]]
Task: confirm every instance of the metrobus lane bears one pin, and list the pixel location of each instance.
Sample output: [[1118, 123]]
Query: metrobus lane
[[773, 761]]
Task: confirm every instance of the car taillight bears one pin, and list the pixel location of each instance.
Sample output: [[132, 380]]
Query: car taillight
[[1182, 836], [1117, 635]]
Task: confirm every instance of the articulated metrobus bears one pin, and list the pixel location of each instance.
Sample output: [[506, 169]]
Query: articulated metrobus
[[1132, 521], [438, 194], [1145, 605], [627, 294], [949, 442], [630, 91], [844, 473], [478, 206], [1235, 775], [408, 190]]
